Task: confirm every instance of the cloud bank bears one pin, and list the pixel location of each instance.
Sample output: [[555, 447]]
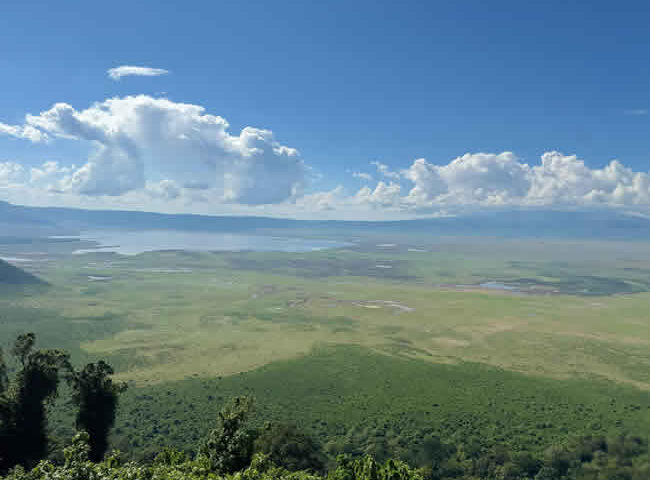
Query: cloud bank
[[131, 70], [138, 139], [486, 179], [155, 154]]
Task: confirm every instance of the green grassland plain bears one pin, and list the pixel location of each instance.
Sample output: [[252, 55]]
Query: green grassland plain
[[568, 322]]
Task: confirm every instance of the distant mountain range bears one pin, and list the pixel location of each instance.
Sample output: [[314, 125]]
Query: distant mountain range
[[20, 221]]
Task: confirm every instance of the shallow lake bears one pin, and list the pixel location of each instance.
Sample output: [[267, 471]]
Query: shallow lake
[[498, 286], [134, 242]]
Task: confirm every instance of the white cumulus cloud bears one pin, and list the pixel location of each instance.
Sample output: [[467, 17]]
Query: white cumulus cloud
[[330, 200], [23, 131], [485, 179], [165, 189], [383, 195], [472, 178], [383, 169], [137, 137], [566, 180], [49, 174], [362, 176], [131, 70], [11, 173]]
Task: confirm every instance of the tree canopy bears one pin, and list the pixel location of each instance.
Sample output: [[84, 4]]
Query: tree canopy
[[96, 396]]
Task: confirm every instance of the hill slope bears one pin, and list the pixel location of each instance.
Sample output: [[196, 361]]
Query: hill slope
[[354, 398], [11, 275]]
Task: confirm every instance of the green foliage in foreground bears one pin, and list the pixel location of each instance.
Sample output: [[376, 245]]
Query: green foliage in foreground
[[624, 458], [235, 450], [475, 450], [229, 447], [24, 438], [290, 448], [23, 419]]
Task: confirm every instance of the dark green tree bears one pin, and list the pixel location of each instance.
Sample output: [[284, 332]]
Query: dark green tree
[[433, 454], [229, 447], [23, 407], [4, 408], [525, 465], [290, 448], [3, 373], [23, 346], [96, 396]]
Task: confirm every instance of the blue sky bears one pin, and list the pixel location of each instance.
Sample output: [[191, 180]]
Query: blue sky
[[345, 84]]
